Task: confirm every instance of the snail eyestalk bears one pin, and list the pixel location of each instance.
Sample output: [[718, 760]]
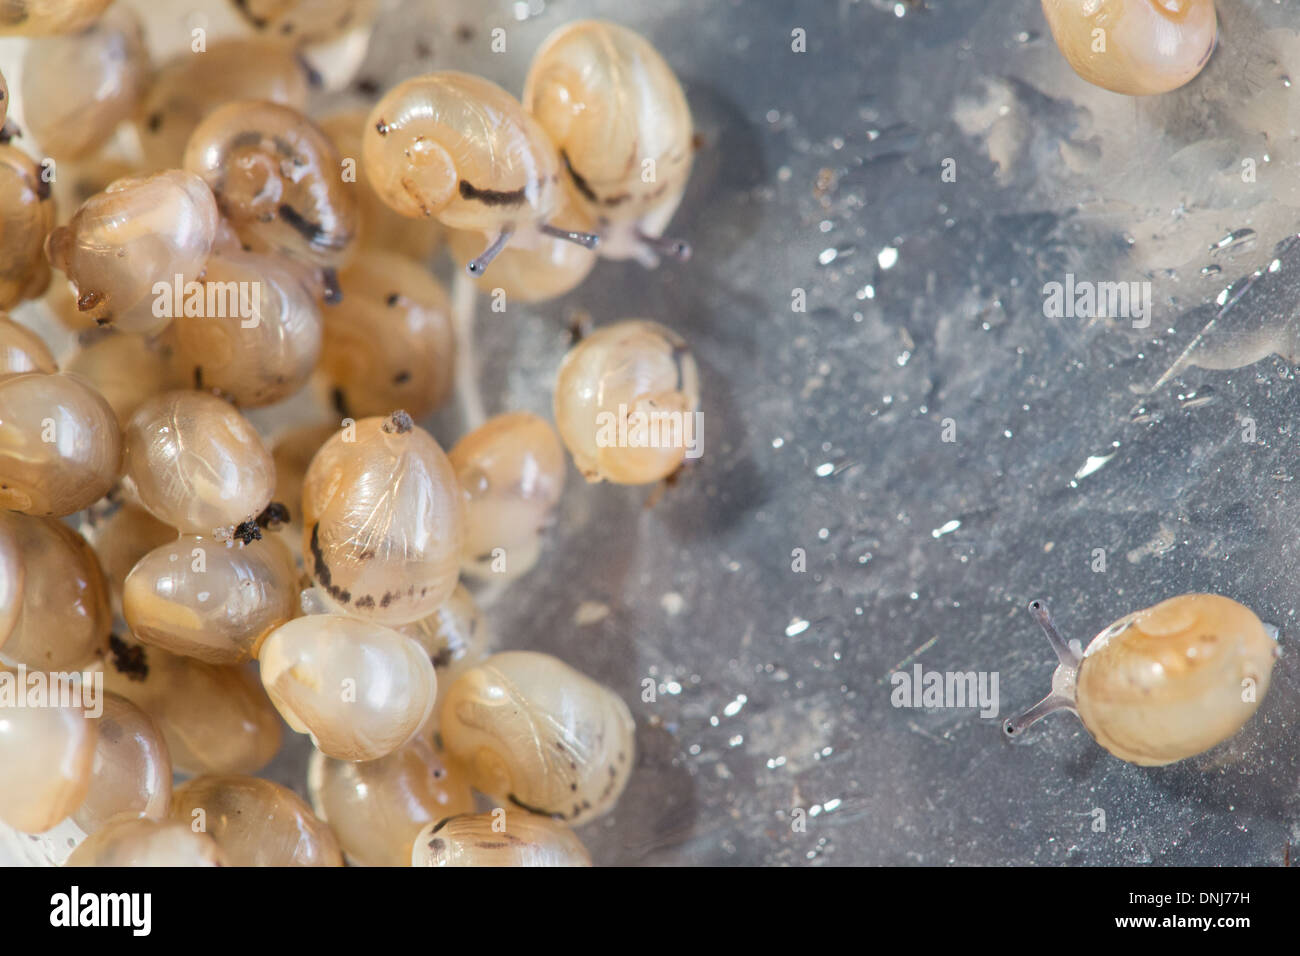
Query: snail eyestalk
[[478, 265], [1064, 678], [588, 240], [678, 249]]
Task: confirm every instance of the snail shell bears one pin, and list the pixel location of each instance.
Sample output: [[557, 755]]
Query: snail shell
[[277, 179], [455, 636], [487, 839], [76, 88], [22, 350], [383, 521], [132, 769], [306, 21], [377, 808], [26, 218], [617, 114], [136, 233], [45, 17], [147, 842], [1137, 47], [215, 719], [1165, 683], [256, 822], [360, 689], [618, 376], [125, 369], [46, 758], [13, 575], [533, 731], [460, 148], [64, 620]]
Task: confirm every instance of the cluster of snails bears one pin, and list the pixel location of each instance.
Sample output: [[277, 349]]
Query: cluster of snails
[[222, 584]]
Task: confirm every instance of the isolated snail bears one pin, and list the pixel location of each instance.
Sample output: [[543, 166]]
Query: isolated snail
[[1138, 47], [1162, 684], [460, 148], [620, 120]]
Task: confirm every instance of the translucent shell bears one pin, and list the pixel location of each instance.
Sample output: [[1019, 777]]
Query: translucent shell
[[1137, 47], [190, 86], [278, 180], [26, 218], [460, 148], [125, 369], [121, 536], [76, 88], [535, 732], [1165, 683], [379, 227], [13, 576], [196, 463], [377, 808], [306, 20], [254, 339], [389, 344], [132, 771], [147, 842], [625, 401], [617, 114], [202, 598], [123, 242], [486, 839], [215, 719], [22, 350], [511, 469], [536, 270], [456, 636], [256, 822], [360, 689], [383, 521], [60, 444], [46, 756], [292, 454], [45, 17], [64, 620]]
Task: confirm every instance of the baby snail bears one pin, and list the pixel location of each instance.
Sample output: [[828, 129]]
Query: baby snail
[[45, 17], [250, 331], [144, 842], [60, 444], [456, 636], [511, 470], [122, 533], [132, 771], [26, 218], [460, 148], [13, 578], [77, 87], [626, 402], [489, 839], [306, 20], [1136, 47], [47, 755], [292, 453], [533, 731], [380, 228], [190, 86], [1162, 684], [616, 111], [125, 369], [255, 822], [377, 808], [548, 268], [199, 597], [383, 520], [22, 350], [198, 465], [64, 618], [361, 690], [390, 343], [277, 179], [214, 719], [135, 235]]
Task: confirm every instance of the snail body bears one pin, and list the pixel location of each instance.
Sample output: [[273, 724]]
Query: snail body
[[1164, 683]]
